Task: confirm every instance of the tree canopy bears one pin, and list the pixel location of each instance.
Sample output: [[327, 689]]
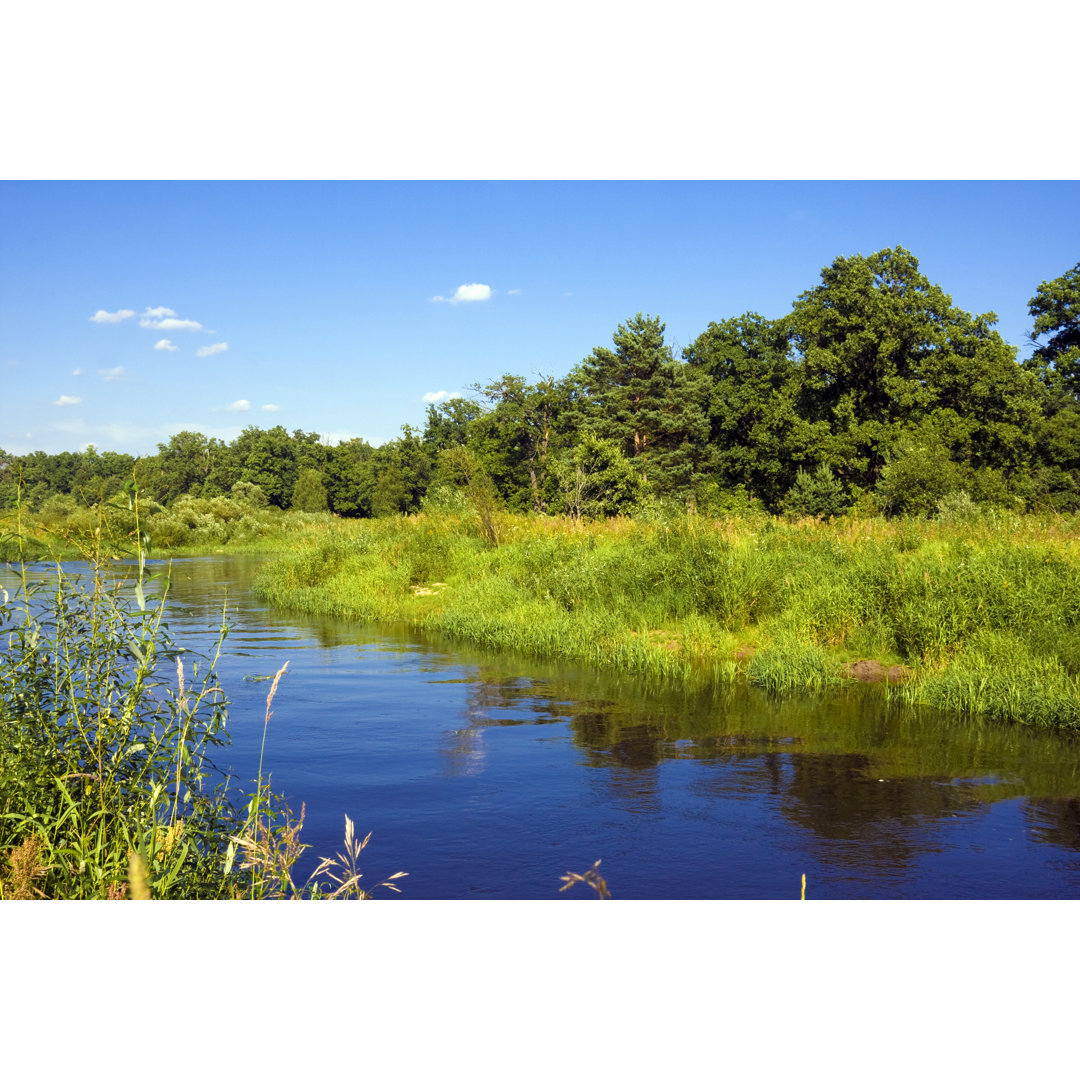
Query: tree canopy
[[874, 390], [1055, 307]]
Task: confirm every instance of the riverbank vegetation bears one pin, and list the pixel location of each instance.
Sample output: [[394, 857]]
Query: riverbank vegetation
[[108, 788], [63, 528], [973, 613]]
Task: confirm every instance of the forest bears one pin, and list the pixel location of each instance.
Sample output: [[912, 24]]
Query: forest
[[874, 395]]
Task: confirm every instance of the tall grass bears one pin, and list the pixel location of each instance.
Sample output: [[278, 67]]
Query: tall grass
[[982, 617], [103, 757], [63, 528], [108, 787]]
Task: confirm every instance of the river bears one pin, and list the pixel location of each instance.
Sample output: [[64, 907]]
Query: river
[[490, 776]]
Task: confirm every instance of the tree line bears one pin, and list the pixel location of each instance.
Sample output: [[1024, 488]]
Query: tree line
[[875, 391]]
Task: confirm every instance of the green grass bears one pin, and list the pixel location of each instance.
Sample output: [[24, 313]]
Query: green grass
[[108, 789], [984, 616], [62, 529]]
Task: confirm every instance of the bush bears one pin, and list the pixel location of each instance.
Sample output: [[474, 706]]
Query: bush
[[101, 757], [595, 479], [918, 475], [250, 495]]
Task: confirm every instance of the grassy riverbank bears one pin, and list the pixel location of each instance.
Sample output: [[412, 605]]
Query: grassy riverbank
[[63, 529], [979, 616]]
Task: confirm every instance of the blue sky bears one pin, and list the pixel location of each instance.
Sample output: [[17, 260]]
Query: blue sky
[[314, 305]]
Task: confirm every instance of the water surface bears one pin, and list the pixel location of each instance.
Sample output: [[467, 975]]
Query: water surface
[[489, 776]]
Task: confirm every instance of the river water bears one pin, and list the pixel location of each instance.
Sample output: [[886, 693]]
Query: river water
[[489, 776]]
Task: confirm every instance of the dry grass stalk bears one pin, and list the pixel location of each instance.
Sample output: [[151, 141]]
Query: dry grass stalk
[[24, 868], [180, 681], [271, 853], [273, 691], [342, 869], [591, 878]]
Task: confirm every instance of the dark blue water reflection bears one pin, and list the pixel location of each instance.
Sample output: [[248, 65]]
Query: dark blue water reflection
[[490, 776]]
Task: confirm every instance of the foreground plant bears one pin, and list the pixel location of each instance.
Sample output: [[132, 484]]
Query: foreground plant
[[342, 871], [271, 846], [100, 757], [591, 877], [107, 784]]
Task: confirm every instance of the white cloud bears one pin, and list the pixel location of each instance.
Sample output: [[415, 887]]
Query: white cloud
[[271, 408], [111, 316], [113, 374], [336, 438], [465, 294], [157, 312], [513, 292], [433, 396], [77, 371], [239, 406], [165, 345], [209, 350], [170, 324], [64, 399]]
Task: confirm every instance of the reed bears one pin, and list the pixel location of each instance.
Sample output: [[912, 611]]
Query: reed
[[108, 788]]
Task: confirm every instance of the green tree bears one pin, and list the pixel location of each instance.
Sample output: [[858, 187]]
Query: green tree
[[9, 479], [650, 404], [881, 347], [448, 423], [309, 450], [350, 478], [309, 494], [460, 468], [402, 470], [55, 473], [1055, 307], [183, 465], [517, 434], [268, 459], [817, 494], [754, 426], [919, 472], [389, 494]]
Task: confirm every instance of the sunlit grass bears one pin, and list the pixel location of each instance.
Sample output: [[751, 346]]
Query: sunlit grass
[[783, 604]]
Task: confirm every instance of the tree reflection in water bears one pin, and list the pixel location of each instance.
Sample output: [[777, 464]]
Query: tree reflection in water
[[868, 785]]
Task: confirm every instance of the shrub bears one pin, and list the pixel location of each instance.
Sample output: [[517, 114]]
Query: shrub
[[917, 476], [250, 495], [596, 480]]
